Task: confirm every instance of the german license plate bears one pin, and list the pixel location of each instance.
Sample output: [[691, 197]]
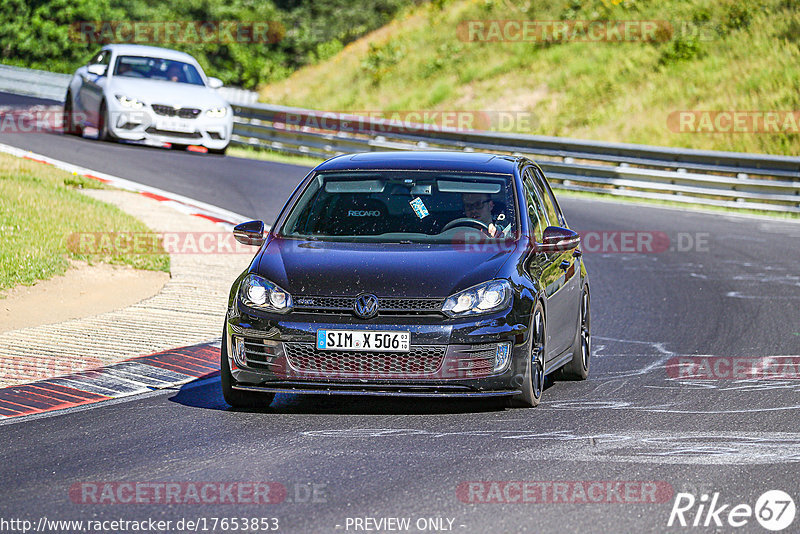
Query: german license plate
[[176, 125], [360, 340]]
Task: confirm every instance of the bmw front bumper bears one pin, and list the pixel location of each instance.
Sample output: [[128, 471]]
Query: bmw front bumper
[[146, 125]]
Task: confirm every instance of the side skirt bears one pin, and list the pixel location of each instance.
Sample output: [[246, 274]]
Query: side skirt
[[560, 362]]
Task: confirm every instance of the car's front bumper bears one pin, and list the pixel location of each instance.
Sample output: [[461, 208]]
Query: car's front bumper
[[146, 125], [375, 390], [448, 357]]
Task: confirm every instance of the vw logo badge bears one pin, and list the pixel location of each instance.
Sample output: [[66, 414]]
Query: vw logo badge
[[366, 306]]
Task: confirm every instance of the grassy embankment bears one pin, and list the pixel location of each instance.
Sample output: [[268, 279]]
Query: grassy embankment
[[40, 207], [724, 55]]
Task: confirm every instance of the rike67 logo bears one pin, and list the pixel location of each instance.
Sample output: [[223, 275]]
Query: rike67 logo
[[774, 510]]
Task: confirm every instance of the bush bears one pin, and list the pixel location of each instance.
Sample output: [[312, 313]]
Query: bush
[[738, 17], [380, 59], [681, 49], [38, 34]]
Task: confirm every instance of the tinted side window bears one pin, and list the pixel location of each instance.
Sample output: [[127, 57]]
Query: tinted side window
[[537, 187], [554, 214], [535, 211]]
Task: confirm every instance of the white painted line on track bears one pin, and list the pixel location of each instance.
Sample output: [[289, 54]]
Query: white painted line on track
[[187, 205]]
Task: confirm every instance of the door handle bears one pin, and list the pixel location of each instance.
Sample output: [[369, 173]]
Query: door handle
[[565, 265]]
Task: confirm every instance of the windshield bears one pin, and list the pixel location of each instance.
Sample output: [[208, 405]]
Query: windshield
[[157, 69], [403, 206]]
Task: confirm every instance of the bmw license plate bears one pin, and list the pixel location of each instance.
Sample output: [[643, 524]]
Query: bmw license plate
[[176, 125], [374, 340]]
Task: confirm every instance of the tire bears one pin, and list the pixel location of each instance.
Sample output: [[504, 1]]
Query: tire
[[68, 125], [218, 151], [103, 133], [533, 383], [578, 367], [236, 398]]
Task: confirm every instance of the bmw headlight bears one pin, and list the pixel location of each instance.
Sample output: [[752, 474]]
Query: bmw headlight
[[260, 293], [482, 298], [131, 103], [216, 113]]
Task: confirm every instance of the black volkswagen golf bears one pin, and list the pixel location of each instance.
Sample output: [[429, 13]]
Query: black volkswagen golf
[[424, 274]]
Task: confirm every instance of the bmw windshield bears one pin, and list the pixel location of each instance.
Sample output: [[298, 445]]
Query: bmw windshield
[[157, 69], [404, 206]]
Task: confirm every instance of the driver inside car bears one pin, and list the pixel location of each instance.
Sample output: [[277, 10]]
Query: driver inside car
[[479, 206], [174, 73]]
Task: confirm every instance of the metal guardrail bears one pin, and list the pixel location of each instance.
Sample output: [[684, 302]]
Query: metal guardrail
[[51, 85], [738, 180], [38, 83], [730, 179]]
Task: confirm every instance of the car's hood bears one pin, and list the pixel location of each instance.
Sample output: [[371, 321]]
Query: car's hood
[[168, 93], [391, 270]]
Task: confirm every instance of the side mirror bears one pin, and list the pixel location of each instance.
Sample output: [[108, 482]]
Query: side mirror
[[214, 83], [557, 239], [99, 70], [250, 233]]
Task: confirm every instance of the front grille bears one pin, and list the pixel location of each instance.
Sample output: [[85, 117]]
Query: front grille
[[188, 113], [386, 306], [169, 133], [421, 360], [169, 111]]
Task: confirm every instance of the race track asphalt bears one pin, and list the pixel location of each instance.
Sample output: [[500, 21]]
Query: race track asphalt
[[734, 292]]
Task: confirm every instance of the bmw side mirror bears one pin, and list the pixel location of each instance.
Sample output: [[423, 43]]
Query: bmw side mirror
[[99, 70], [214, 83], [250, 233], [558, 239]]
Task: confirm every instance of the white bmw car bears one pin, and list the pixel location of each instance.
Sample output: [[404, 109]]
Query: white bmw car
[[144, 93]]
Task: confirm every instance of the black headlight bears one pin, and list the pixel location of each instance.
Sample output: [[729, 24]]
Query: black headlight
[[260, 293], [483, 298]]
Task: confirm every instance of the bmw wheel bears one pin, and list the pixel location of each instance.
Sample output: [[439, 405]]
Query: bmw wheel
[[67, 122], [103, 131]]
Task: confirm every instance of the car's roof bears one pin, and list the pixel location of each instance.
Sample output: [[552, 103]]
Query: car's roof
[[433, 161], [143, 50]]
